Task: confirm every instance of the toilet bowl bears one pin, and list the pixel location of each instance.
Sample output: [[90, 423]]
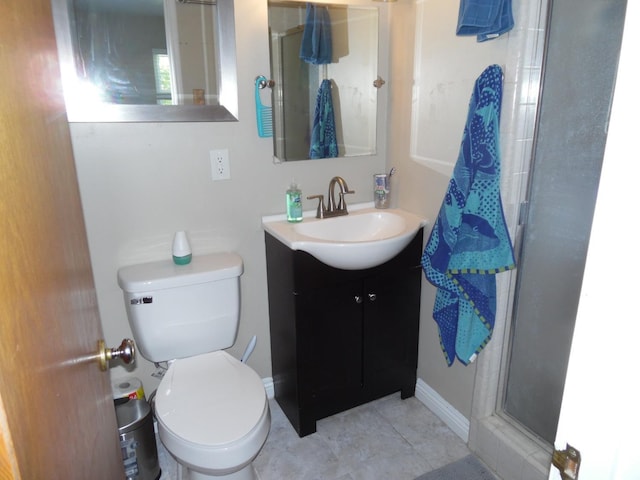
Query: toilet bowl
[[213, 415], [212, 409]]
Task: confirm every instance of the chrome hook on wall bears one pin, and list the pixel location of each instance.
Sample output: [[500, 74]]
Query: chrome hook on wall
[[262, 82], [379, 82]]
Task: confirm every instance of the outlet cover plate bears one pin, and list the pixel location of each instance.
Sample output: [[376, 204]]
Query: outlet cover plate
[[220, 169]]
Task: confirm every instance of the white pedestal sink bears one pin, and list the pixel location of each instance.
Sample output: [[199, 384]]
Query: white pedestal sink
[[365, 238]]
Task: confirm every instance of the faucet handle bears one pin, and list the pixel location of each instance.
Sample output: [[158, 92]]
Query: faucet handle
[[321, 208], [342, 205]]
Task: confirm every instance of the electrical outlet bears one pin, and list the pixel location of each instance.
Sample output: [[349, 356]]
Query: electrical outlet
[[220, 164]]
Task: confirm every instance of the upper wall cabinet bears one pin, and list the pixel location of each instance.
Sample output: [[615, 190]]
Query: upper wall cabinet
[[325, 67], [147, 60]]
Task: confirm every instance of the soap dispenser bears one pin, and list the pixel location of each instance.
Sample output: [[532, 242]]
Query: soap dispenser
[[294, 203], [181, 249]]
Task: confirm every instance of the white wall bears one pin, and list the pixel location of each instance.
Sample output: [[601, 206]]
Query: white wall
[[142, 182]]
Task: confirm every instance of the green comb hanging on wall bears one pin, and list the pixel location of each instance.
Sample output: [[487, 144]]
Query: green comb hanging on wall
[[264, 113]]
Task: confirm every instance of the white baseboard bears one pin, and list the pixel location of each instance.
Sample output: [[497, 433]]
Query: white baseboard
[[443, 409]]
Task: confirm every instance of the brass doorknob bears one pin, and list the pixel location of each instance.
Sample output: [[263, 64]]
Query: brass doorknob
[[125, 352]]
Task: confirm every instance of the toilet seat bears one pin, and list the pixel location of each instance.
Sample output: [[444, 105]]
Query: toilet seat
[[211, 400]]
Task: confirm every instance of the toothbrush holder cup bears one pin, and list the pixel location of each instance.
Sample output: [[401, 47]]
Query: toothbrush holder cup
[[381, 190]]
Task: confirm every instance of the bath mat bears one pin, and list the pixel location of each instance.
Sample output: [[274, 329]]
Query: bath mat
[[467, 468]]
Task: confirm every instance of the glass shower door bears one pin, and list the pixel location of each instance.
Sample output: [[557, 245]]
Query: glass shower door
[[579, 72]]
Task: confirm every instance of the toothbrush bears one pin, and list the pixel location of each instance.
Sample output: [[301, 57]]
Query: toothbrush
[[249, 350]]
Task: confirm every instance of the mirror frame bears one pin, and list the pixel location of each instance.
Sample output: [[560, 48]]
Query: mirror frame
[[226, 111]]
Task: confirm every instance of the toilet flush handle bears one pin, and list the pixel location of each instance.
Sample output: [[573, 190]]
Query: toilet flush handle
[[125, 352]]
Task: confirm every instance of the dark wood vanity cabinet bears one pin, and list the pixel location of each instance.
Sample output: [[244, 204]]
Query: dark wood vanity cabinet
[[341, 338]]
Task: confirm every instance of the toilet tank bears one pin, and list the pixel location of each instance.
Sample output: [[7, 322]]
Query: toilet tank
[[178, 311]]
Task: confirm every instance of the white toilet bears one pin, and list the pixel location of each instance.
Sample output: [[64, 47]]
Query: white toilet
[[212, 410]]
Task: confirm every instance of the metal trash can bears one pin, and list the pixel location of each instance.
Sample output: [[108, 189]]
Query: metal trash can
[[137, 439]]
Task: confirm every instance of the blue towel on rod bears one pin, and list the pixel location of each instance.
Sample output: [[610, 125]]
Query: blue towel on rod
[[469, 242], [324, 143], [486, 19], [316, 46]]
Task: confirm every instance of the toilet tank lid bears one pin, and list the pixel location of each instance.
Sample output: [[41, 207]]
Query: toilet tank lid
[[164, 274]]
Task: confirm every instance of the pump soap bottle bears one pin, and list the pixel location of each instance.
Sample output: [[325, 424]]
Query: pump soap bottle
[[294, 203]]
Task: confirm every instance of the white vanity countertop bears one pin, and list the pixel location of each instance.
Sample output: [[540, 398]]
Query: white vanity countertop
[[364, 238]]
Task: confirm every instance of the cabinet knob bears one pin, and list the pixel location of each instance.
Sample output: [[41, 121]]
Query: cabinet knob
[[358, 298], [372, 297]]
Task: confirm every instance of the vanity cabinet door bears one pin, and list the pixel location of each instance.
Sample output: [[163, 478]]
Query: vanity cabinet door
[[390, 326], [330, 337]]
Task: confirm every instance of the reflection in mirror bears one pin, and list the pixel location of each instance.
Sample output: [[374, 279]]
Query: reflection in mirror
[[147, 60], [302, 97]]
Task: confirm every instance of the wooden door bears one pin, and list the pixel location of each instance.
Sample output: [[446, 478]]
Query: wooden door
[[56, 414]]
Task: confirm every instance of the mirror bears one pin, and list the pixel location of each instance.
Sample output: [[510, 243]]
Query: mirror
[[300, 85], [147, 60]]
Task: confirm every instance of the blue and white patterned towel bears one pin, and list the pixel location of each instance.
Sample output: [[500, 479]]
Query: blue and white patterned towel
[[324, 142], [469, 242]]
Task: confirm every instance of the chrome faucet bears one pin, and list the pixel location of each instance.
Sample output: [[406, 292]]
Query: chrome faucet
[[333, 209]]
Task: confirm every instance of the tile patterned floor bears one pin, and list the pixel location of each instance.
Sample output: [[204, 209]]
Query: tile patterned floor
[[386, 439]]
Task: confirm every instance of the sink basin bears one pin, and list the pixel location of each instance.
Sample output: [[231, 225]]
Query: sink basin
[[365, 238]]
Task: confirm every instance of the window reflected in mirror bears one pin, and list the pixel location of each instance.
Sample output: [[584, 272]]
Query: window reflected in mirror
[[138, 53], [324, 59], [153, 54]]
